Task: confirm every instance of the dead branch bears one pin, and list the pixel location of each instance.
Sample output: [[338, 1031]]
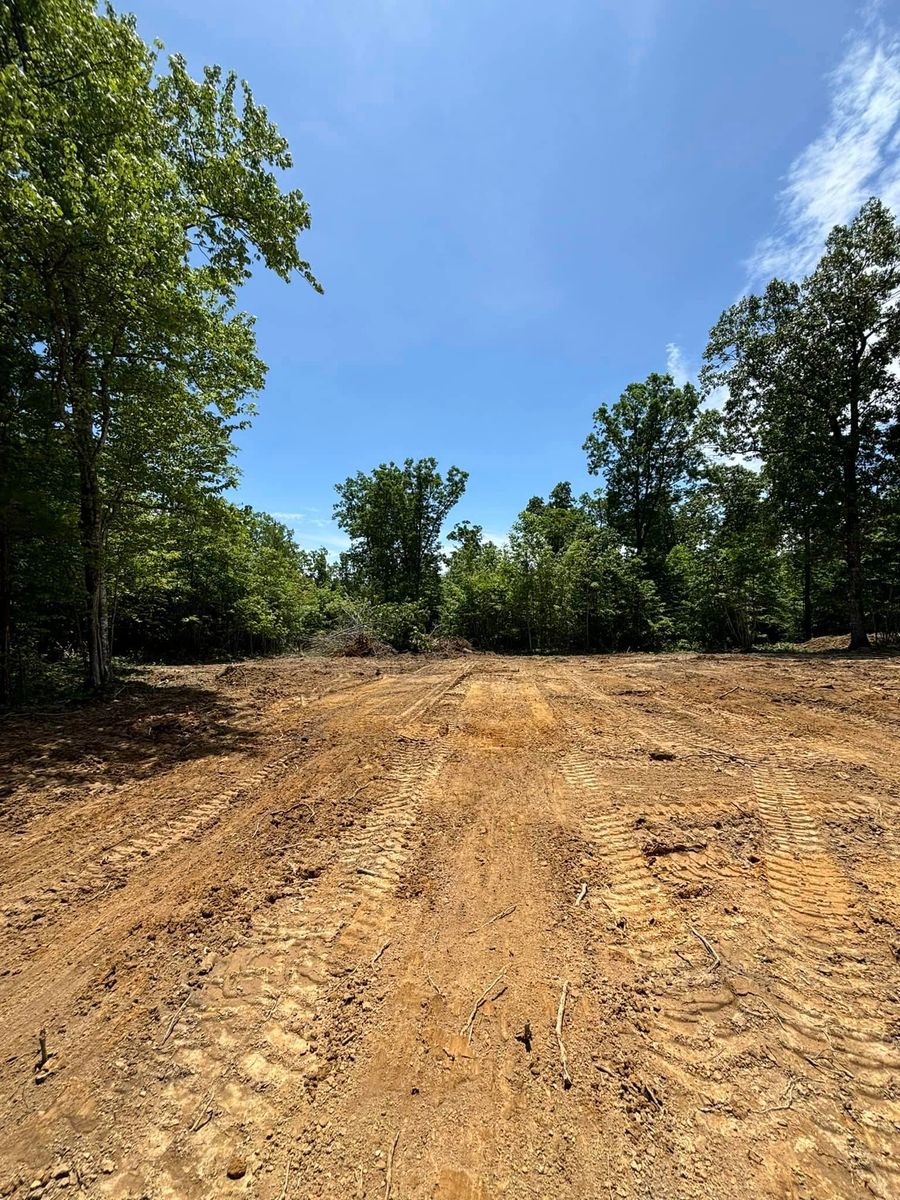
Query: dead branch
[[789, 1096], [287, 1177], [389, 1169], [467, 1029], [496, 917], [174, 1021], [560, 1014], [436, 988], [203, 1115], [581, 895], [700, 937], [379, 953], [42, 1043]]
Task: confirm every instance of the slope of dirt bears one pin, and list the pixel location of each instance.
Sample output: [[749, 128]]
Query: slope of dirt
[[458, 929]]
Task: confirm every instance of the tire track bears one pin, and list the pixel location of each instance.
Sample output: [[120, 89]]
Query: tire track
[[246, 1055], [831, 1010], [683, 1005], [90, 872]]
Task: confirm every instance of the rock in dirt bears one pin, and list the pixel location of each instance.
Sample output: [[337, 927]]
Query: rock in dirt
[[236, 1169]]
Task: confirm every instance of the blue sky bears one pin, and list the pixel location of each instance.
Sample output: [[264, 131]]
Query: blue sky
[[518, 208]]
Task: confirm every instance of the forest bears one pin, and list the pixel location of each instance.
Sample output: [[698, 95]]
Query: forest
[[757, 507]]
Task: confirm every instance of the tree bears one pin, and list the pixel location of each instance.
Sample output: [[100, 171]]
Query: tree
[[394, 517], [809, 372], [649, 447], [132, 205]]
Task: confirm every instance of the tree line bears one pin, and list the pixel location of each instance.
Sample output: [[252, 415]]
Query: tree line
[[759, 506]]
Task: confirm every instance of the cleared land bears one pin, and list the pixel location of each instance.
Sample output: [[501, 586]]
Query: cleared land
[[302, 929]]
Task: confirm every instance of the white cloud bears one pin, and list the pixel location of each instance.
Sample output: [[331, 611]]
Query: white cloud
[[675, 364], [857, 155]]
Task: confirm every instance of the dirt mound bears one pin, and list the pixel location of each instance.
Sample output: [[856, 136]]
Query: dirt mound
[[822, 645]]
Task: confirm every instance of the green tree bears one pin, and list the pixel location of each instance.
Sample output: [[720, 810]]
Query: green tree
[[132, 205], [648, 446], [394, 517], [809, 369]]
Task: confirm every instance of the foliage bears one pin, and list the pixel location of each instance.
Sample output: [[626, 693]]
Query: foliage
[[394, 517], [812, 385], [132, 203]]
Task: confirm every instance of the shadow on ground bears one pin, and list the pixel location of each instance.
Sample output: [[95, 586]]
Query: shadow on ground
[[130, 735]]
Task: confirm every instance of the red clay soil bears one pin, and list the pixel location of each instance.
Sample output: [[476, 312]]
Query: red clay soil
[[462, 928]]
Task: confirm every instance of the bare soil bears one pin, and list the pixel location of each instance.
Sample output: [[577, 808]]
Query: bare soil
[[302, 929]]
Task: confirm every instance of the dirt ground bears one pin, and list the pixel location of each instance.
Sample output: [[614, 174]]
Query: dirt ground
[[302, 928]]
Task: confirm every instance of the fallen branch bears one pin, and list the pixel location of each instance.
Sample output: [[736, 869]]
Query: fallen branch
[[581, 894], [467, 1029], [436, 988], [701, 938], [389, 1169], [789, 1094], [496, 917], [287, 1177], [203, 1114], [174, 1021], [380, 952], [560, 1013]]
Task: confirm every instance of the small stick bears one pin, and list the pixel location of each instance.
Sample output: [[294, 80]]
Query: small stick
[[560, 1013], [271, 1012], [581, 894], [366, 871], [380, 952], [700, 937], [496, 917], [174, 1021], [203, 1114], [42, 1042], [789, 1096], [467, 1029], [389, 1170], [287, 1176], [436, 988]]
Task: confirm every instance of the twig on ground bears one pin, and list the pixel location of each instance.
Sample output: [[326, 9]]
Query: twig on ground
[[389, 1169], [700, 937], [466, 1030], [496, 917], [560, 1014], [581, 895], [203, 1115], [287, 1177], [174, 1021], [42, 1043], [379, 953], [436, 988], [730, 690], [366, 871], [789, 1093], [271, 1012]]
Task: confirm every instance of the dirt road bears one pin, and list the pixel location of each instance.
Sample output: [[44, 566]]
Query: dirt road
[[305, 929]]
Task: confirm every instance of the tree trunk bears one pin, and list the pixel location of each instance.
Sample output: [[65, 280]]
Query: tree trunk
[[859, 639], [93, 553], [807, 583], [5, 614]]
